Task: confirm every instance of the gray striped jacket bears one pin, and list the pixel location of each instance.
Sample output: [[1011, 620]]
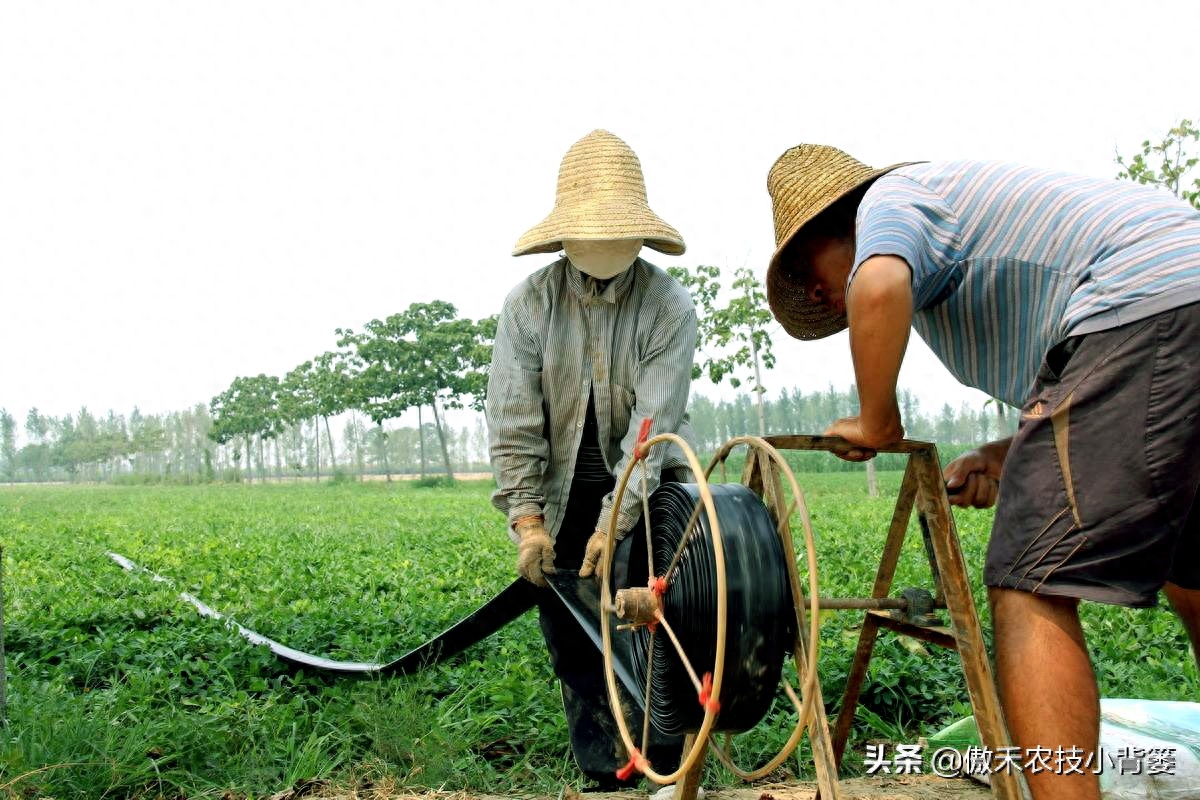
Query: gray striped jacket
[[559, 339]]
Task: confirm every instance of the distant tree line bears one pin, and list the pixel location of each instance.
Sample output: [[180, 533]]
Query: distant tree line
[[797, 411], [180, 447], [176, 448], [428, 359]]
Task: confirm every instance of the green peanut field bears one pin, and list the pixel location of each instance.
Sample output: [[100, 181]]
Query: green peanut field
[[115, 687]]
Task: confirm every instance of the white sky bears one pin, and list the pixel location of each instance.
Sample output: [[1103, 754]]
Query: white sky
[[195, 191]]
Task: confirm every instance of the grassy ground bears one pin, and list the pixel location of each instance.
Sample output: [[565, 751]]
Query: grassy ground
[[116, 688]]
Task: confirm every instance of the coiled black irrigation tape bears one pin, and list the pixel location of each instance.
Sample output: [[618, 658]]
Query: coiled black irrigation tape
[[761, 621]]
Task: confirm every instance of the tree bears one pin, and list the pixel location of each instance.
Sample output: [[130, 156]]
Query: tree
[[946, 424], [479, 442], [66, 450], [1168, 163], [36, 454], [354, 438], [248, 408], [320, 387], [147, 436], [374, 369], [740, 324], [376, 441], [113, 447], [423, 356], [8, 445]]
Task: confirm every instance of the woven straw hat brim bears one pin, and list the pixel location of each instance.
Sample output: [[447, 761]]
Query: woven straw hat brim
[[805, 181], [600, 221], [601, 196]]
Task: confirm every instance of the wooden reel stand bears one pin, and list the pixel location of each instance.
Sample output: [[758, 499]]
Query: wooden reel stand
[[922, 487]]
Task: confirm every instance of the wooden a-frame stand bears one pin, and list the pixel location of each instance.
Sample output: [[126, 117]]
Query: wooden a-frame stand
[[922, 488]]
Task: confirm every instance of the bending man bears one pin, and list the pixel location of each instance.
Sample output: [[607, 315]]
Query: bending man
[[1073, 298]]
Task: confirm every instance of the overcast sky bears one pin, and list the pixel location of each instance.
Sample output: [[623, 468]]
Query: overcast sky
[[195, 191]]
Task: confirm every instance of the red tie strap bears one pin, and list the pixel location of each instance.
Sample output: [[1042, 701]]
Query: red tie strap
[[636, 762], [639, 450], [709, 702]]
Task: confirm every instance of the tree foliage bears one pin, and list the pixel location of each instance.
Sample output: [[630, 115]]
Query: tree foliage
[[1168, 162], [248, 408], [8, 445], [320, 387], [423, 355], [741, 324], [731, 339]]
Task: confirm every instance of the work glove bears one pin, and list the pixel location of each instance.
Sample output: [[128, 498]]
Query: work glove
[[593, 556], [535, 554]]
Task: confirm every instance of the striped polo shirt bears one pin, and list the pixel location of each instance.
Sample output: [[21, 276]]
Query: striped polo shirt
[[564, 338], [1009, 260]]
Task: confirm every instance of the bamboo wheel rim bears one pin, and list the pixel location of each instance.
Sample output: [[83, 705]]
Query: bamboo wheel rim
[[804, 703], [696, 752]]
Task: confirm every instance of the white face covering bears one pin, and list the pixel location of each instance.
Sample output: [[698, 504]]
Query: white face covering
[[602, 259]]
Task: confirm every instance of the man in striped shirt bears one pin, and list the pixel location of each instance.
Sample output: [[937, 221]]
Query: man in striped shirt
[[1073, 298], [586, 348]]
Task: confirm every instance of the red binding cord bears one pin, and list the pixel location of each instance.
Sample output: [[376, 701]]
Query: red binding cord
[[709, 702], [639, 451], [636, 762]]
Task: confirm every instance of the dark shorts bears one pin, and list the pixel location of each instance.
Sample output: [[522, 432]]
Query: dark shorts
[[1097, 496]]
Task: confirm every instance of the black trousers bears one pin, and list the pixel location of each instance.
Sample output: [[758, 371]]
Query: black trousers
[[579, 665]]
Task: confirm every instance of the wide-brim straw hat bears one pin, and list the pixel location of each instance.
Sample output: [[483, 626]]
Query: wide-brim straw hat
[[601, 196], [803, 182]]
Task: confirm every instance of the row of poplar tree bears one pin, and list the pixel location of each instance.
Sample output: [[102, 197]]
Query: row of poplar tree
[[425, 359], [178, 447]]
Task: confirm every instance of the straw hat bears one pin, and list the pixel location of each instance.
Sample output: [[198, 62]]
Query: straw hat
[[803, 182], [601, 195]]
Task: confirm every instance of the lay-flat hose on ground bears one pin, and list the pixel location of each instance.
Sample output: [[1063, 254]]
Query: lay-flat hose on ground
[[513, 601]]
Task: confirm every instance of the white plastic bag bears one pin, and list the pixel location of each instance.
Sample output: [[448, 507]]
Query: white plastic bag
[[1149, 749]]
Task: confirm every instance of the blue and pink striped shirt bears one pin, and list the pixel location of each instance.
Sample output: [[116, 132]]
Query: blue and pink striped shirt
[[1009, 260]]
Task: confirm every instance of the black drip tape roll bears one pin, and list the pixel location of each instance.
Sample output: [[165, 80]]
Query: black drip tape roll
[[760, 621]]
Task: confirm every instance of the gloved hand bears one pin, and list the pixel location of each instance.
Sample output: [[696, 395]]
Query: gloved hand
[[535, 554], [593, 556]]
